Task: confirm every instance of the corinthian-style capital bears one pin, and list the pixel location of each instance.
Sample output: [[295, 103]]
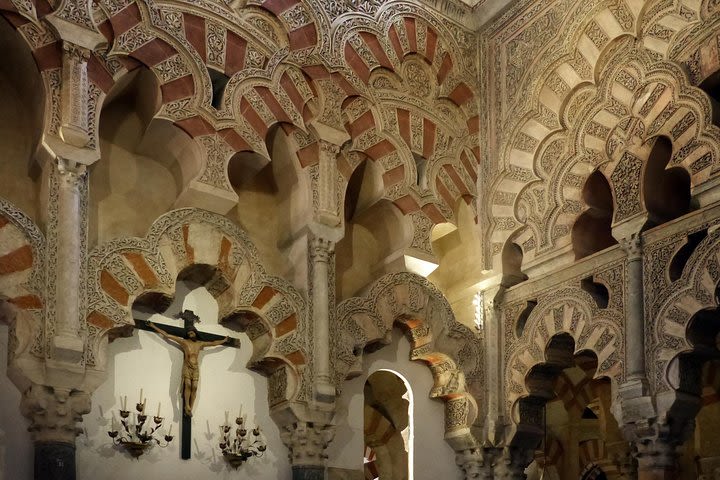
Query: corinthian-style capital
[[321, 249], [307, 442], [71, 172], [632, 246], [54, 413], [477, 462]]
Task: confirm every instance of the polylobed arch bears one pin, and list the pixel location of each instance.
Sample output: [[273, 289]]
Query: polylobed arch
[[572, 313], [449, 349], [211, 248], [610, 127]]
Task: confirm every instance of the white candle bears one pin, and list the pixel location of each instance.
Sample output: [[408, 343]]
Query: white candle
[[124, 407], [158, 414], [141, 400], [240, 412], [170, 431]]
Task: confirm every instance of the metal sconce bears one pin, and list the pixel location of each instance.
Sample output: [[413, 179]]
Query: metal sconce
[[238, 448], [137, 434]]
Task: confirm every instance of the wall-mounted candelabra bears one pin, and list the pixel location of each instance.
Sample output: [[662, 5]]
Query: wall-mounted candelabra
[[237, 447], [137, 433]]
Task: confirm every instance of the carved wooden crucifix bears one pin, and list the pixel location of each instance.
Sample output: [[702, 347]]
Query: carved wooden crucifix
[[191, 341]]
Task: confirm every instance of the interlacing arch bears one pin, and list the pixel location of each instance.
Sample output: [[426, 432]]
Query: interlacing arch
[[21, 282], [611, 127], [573, 313], [450, 349], [215, 252], [695, 291]]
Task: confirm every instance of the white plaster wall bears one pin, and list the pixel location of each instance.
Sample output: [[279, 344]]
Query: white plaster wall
[[149, 362], [433, 457], [16, 449]]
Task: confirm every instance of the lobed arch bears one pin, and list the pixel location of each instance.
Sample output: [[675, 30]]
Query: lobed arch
[[298, 21], [217, 253], [611, 128], [450, 349], [570, 312], [693, 292], [22, 279]]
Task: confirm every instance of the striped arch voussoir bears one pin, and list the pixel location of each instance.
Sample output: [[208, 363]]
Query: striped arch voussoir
[[693, 292], [570, 311], [209, 249], [21, 259], [450, 349]]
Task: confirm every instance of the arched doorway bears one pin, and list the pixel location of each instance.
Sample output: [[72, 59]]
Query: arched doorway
[[388, 426]]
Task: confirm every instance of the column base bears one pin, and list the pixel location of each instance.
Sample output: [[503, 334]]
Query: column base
[[302, 472], [54, 461]]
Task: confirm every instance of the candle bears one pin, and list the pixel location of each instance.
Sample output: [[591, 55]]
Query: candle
[[141, 400], [124, 405], [170, 431], [113, 423], [240, 412], [158, 414]]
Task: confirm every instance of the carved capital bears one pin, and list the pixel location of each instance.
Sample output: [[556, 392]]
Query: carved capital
[[307, 442], [656, 443], [477, 462], [71, 173], [321, 249], [54, 413], [512, 463], [632, 246]]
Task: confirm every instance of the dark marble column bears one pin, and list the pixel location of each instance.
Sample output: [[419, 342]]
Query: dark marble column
[[54, 461], [308, 472]]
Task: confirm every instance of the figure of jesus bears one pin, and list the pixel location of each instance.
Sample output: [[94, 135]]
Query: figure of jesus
[[191, 347]]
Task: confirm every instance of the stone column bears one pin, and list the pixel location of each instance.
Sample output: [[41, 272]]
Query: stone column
[[307, 442], [69, 230], [322, 254], [635, 321], [512, 463], [494, 422], [54, 414]]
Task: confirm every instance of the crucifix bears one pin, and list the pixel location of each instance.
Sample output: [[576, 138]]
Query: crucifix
[[190, 341]]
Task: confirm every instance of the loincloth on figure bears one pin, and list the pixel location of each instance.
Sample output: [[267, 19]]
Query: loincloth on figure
[[191, 372]]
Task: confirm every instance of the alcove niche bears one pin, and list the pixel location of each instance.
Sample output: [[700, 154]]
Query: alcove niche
[[272, 197], [375, 232], [145, 360], [144, 161]]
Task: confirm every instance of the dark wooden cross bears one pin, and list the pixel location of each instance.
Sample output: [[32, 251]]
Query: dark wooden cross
[[196, 339]]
